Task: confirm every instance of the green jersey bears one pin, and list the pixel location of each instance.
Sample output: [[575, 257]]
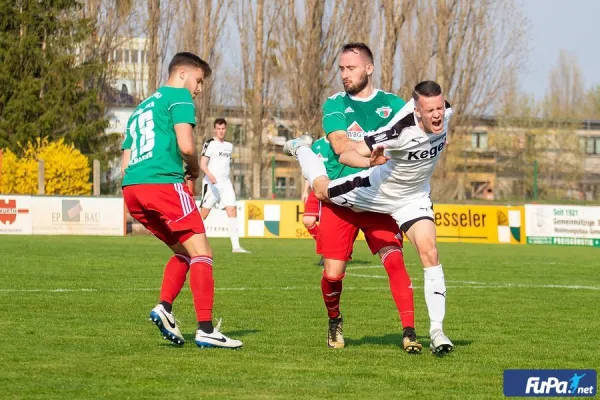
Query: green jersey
[[150, 135], [358, 118], [323, 150]]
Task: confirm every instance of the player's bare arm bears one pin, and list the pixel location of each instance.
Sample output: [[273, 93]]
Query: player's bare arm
[[363, 157], [340, 142], [125, 160], [187, 148], [204, 167], [305, 191]]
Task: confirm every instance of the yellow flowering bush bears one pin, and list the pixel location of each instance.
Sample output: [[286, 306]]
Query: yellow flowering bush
[[66, 172]]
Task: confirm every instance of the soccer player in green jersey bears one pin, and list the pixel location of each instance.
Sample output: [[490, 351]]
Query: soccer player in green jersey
[[402, 156], [347, 117], [158, 140]]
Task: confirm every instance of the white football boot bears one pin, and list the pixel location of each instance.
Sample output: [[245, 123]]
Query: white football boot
[[216, 339], [440, 344], [165, 321], [291, 146], [240, 250]]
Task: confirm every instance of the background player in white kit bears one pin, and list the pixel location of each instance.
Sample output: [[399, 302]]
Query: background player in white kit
[[216, 186], [397, 184]]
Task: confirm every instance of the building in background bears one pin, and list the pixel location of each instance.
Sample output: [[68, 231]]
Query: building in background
[[131, 67]]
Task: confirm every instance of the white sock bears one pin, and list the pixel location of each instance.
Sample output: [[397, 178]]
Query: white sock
[[435, 295], [312, 166], [233, 232]]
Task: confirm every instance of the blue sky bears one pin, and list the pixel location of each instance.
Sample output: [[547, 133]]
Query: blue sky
[[572, 25]]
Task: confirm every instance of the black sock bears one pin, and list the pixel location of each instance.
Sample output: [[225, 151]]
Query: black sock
[[205, 326], [168, 306]]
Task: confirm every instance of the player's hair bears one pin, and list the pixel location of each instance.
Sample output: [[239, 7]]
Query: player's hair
[[427, 89], [219, 121], [189, 59], [359, 48]]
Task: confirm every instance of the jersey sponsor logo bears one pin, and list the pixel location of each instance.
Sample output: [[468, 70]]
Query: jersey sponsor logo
[[348, 110], [426, 154], [384, 111], [355, 131], [225, 154]]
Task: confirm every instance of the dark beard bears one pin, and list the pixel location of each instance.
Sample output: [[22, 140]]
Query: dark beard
[[356, 89]]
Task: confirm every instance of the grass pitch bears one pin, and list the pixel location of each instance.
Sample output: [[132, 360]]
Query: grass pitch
[[75, 322]]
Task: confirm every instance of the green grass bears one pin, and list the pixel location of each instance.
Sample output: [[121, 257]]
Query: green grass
[[99, 344]]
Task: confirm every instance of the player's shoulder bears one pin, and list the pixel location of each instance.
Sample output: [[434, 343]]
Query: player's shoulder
[[337, 100], [174, 96], [207, 144], [392, 99]]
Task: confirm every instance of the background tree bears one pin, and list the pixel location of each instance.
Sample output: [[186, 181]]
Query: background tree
[[255, 23], [307, 52], [47, 89]]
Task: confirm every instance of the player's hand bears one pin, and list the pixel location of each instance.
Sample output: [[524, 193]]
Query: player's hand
[[192, 172], [191, 184], [377, 157], [212, 179], [304, 197]]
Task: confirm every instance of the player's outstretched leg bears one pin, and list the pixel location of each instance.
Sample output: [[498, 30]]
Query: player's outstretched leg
[[165, 321], [312, 167], [291, 147]]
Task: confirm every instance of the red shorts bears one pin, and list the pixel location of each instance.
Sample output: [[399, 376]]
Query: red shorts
[[312, 207], [167, 210], [339, 227]]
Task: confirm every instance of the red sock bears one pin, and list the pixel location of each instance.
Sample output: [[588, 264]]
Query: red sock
[[332, 291], [203, 286], [174, 277], [313, 230], [401, 286]]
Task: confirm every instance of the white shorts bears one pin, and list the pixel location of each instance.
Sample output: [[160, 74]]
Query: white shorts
[[221, 192], [356, 191]]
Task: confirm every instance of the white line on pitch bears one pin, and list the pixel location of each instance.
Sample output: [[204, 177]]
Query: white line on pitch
[[479, 285]]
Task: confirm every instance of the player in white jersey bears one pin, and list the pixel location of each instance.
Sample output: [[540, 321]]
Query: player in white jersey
[[402, 156], [216, 185]]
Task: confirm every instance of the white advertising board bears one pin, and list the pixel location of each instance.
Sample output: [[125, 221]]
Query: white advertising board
[[563, 225], [216, 224], [15, 215], [78, 216]]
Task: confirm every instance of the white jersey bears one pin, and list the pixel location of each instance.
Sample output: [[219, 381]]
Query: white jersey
[[400, 187], [413, 155], [219, 154]]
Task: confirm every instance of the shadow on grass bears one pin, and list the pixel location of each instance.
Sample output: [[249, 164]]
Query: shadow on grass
[[396, 339]]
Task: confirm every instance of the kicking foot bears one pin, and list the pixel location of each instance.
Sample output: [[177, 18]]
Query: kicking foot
[[291, 146]]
